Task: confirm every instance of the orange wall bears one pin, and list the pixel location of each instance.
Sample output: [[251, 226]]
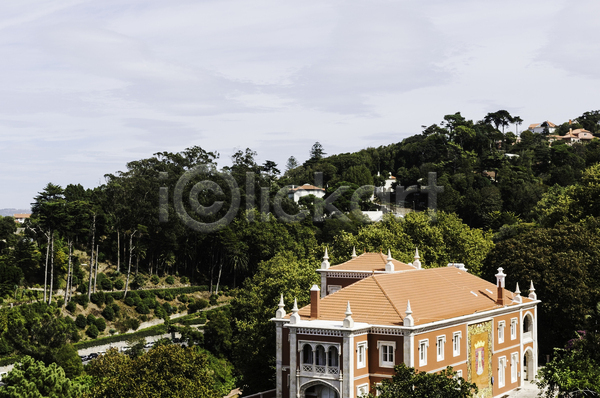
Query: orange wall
[[449, 359]]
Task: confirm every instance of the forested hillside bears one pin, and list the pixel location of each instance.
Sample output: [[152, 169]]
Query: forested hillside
[[510, 199]]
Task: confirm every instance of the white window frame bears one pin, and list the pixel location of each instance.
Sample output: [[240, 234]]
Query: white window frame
[[514, 367], [423, 344], [441, 347], [501, 326], [389, 344], [456, 336], [514, 324], [362, 389], [361, 346], [458, 373], [333, 288], [501, 372]]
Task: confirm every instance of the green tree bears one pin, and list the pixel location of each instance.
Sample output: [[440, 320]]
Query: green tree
[[410, 383], [31, 378], [218, 333], [255, 303], [165, 371], [316, 152]]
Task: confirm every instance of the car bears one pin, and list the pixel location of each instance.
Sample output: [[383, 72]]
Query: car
[[149, 344], [93, 355], [176, 340]]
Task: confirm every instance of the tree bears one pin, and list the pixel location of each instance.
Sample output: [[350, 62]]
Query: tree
[[291, 164], [164, 371], [31, 378], [562, 262], [255, 303], [575, 370], [316, 152], [410, 383]]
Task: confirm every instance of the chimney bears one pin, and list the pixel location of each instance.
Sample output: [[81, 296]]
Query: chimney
[[315, 294], [389, 266], [500, 276]]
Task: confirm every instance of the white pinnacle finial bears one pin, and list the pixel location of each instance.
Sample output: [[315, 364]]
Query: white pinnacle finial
[[348, 321], [517, 298], [325, 263], [354, 252], [389, 266], [295, 318], [532, 294], [408, 319], [417, 262], [281, 311]]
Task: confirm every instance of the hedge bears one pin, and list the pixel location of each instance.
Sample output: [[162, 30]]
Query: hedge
[[9, 360], [151, 331]]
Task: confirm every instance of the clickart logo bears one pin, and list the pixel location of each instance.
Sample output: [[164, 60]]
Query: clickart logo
[[206, 185]]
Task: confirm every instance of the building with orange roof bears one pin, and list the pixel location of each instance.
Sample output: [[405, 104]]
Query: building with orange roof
[[296, 193], [573, 136], [20, 218], [374, 312], [543, 127]]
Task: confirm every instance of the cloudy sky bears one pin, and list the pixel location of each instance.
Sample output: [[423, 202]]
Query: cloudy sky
[[86, 86]]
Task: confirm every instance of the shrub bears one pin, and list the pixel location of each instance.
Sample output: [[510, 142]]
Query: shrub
[[213, 299], [108, 313], [116, 308], [97, 298], [119, 284], [168, 296], [112, 331], [82, 288], [106, 284], [142, 309], [100, 324], [170, 280], [91, 319], [129, 301], [138, 282], [71, 307], [184, 279], [92, 331], [150, 302], [168, 308], [108, 299], [81, 321], [160, 294], [81, 299], [116, 295], [155, 279], [183, 298], [160, 312], [60, 302], [137, 301], [197, 305]]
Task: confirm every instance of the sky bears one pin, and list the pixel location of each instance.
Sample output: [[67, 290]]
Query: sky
[[87, 86]]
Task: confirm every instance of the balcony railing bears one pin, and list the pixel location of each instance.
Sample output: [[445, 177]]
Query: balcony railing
[[315, 370]]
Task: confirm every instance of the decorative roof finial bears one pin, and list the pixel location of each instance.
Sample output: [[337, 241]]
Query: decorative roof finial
[[532, 294], [281, 311], [417, 262], [354, 252], [517, 298], [325, 263], [389, 266], [348, 321], [295, 318], [408, 319]]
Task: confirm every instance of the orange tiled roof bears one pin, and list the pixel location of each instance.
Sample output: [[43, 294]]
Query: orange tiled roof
[[24, 215], [370, 262], [435, 294]]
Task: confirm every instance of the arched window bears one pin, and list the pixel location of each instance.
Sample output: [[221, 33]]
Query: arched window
[[307, 354], [333, 357], [320, 355], [528, 327]]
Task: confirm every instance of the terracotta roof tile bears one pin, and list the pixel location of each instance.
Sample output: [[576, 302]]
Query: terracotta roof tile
[[435, 294], [370, 262]]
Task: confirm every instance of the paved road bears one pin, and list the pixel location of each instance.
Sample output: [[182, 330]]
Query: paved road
[[529, 390]]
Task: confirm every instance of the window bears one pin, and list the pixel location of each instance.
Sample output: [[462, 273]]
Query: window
[[501, 325], [456, 343], [441, 343], [513, 328], [458, 373], [333, 357], [514, 367], [333, 288], [501, 369], [363, 389], [361, 355], [386, 353], [423, 344]]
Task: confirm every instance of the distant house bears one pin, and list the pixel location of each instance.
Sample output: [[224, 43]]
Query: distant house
[[573, 136], [20, 218], [541, 127], [388, 185], [304, 190]]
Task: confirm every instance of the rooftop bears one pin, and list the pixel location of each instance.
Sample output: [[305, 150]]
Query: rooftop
[[370, 262]]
